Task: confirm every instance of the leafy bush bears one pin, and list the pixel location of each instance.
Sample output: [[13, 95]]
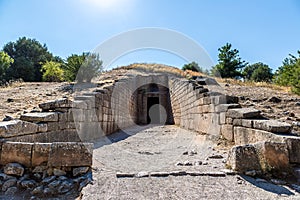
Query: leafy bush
[[192, 66], [289, 73], [82, 67], [258, 72], [52, 72], [5, 62]]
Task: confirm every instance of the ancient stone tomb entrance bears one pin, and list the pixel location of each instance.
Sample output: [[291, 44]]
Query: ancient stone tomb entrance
[[153, 104]]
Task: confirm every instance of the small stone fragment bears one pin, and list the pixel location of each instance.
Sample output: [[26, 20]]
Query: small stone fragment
[[11, 191], [9, 183], [250, 173], [38, 190], [216, 156], [28, 184], [142, 174], [59, 172], [14, 169], [48, 179], [80, 170], [274, 99], [187, 163]]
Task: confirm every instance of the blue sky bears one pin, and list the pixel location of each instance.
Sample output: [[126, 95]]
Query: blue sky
[[265, 31]]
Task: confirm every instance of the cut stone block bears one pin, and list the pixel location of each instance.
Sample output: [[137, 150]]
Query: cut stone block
[[17, 127], [243, 113], [16, 152], [60, 103], [293, 144], [273, 156], [272, 126], [225, 107], [244, 136], [40, 153], [262, 156], [243, 158], [40, 117], [227, 132], [70, 154]]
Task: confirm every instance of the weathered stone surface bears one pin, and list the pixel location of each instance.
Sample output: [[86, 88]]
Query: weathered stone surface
[[243, 113], [9, 183], [59, 172], [80, 170], [60, 103], [225, 107], [263, 156], [293, 145], [272, 126], [16, 152], [243, 158], [11, 191], [227, 132], [70, 154], [40, 153], [124, 175], [17, 127], [14, 169], [274, 99], [42, 127], [272, 156], [40, 117], [244, 136], [28, 184], [141, 174]]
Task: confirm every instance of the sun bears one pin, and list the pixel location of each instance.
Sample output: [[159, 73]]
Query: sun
[[107, 4]]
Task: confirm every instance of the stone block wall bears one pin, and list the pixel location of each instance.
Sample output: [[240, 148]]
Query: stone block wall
[[57, 154], [99, 111], [198, 109]]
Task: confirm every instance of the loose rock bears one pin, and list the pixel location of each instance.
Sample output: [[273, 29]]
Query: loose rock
[[14, 169], [80, 170]]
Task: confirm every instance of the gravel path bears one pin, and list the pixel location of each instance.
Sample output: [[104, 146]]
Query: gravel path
[[160, 149]]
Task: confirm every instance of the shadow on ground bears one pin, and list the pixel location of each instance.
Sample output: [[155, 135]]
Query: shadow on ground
[[270, 187]]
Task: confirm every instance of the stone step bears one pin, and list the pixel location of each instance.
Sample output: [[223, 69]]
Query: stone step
[[243, 113], [16, 128], [40, 117], [52, 105], [272, 126]]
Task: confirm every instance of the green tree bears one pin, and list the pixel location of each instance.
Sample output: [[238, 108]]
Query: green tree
[[90, 68], [82, 67], [72, 66], [52, 72], [192, 66], [230, 64], [5, 62], [289, 73], [29, 56], [258, 72]]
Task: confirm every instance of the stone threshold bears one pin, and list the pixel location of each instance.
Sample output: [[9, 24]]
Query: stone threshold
[[144, 174]]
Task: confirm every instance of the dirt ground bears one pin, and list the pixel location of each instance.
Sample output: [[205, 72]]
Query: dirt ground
[[160, 149], [285, 106], [25, 97]]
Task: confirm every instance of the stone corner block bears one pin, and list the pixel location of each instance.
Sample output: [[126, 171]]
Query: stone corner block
[[40, 117], [70, 154], [16, 152], [243, 113]]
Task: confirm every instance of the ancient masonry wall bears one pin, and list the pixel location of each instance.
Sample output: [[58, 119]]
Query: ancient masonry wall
[[195, 105], [269, 144]]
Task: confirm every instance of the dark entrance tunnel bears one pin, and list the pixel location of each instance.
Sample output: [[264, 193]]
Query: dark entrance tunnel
[[153, 105], [153, 112]]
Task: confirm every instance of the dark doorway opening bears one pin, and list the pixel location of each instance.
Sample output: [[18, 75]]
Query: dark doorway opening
[[153, 114]]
